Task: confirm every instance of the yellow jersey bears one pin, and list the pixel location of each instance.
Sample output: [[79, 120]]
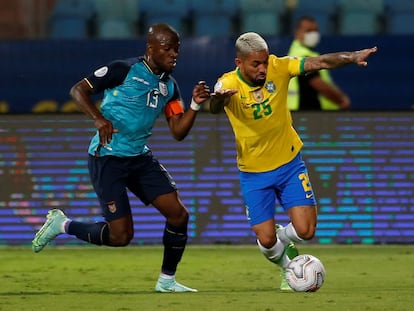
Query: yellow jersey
[[260, 118]]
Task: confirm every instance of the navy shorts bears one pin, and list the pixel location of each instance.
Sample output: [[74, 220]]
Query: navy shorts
[[112, 176], [289, 184]]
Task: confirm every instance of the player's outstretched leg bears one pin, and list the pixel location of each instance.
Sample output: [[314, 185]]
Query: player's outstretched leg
[[291, 252], [168, 284], [53, 226]]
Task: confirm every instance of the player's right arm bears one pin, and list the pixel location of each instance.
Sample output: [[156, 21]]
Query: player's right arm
[[102, 78], [81, 93]]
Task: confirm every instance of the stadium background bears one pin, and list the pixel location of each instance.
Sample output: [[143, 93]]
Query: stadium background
[[361, 162]]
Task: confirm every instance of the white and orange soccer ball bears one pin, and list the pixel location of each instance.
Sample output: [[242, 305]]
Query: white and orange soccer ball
[[305, 273]]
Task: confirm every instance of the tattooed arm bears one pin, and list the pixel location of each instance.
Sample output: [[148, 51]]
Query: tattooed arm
[[339, 59]]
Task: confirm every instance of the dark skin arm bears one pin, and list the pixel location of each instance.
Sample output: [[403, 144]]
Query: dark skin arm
[[81, 93], [181, 124]]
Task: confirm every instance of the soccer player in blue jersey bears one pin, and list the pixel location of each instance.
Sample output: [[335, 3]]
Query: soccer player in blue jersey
[[254, 97], [136, 92]]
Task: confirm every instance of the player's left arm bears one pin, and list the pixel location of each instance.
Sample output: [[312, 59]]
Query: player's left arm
[[181, 122], [220, 98], [339, 59]]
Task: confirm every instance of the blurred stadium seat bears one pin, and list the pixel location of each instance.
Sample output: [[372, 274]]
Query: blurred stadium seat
[[115, 29], [69, 107], [325, 13], [400, 16], [33, 19], [45, 106], [13, 20], [214, 17], [4, 106], [173, 12], [116, 19], [360, 17], [262, 16], [70, 19]]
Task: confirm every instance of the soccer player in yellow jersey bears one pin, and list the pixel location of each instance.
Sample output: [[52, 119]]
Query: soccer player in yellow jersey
[[254, 98]]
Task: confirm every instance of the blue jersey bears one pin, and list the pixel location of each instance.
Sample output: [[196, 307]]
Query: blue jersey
[[134, 97]]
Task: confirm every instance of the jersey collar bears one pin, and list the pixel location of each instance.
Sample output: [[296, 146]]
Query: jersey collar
[[255, 87], [163, 76]]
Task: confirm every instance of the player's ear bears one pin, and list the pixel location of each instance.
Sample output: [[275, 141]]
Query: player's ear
[[237, 61], [149, 48]]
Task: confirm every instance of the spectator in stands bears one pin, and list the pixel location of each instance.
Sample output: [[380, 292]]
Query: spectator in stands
[[315, 90], [136, 92]]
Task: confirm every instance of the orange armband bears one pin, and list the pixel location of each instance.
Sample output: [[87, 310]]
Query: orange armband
[[173, 107]]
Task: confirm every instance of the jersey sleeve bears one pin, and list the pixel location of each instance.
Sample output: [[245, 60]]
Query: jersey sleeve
[[175, 105], [226, 81], [109, 76], [295, 65]]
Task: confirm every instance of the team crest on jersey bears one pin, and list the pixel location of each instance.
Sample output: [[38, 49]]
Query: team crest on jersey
[[270, 87], [258, 95], [112, 207], [163, 88]]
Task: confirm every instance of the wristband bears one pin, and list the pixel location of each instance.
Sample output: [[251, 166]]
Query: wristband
[[194, 106]]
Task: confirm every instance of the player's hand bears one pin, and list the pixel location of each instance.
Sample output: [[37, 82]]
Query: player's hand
[[223, 93], [105, 130], [219, 99], [201, 92], [362, 55]]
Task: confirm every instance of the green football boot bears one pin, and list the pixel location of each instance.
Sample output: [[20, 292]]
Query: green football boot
[[50, 230], [291, 252], [170, 285]]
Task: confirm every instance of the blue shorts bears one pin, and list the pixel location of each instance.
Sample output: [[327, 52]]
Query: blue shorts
[[289, 184], [143, 175]]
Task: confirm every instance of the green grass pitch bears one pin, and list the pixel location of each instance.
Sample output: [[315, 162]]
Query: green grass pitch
[[359, 278]]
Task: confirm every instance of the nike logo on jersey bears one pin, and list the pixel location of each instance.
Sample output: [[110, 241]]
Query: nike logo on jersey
[[309, 195]]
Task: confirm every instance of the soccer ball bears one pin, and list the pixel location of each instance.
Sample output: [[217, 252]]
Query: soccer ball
[[305, 273]]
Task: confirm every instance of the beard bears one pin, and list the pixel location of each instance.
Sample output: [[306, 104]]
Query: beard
[[259, 82]]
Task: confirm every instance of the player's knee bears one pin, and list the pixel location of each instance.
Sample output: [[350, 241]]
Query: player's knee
[[121, 239], [184, 216], [306, 233], [267, 241], [179, 219]]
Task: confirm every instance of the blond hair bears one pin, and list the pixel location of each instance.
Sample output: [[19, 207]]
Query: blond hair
[[250, 42]]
